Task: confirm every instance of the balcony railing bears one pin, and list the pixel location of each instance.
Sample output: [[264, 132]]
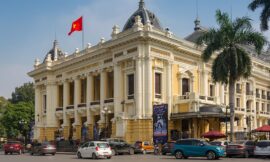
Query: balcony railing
[[95, 103], [258, 95], [82, 105], [59, 109], [130, 97], [239, 109], [109, 100], [238, 91], [249, 92], [263, 96], [193, 96], [268, 97], [70, 107]]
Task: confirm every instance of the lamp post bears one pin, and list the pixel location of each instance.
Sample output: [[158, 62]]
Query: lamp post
[[226, 122], [22, 122], [105, 112]]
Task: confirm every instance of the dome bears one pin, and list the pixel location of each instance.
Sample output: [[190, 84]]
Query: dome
[[54, 53], [145, 15]]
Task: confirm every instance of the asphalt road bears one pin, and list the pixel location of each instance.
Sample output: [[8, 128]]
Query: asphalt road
[[121, 158]]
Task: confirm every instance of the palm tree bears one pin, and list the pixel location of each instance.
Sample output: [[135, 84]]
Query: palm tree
[[232, 61], [265, 14]]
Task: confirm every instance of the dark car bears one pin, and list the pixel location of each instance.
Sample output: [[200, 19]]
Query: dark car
[[119, 146], [43, 148], [167, 147], [241, 148], [13, 147]]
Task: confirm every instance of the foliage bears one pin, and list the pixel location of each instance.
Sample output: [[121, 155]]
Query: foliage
[[23, 93], [265, 14], [232, 61], [21, 112]]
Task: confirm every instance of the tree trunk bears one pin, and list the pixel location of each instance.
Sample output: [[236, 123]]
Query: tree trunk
[[231, 104]]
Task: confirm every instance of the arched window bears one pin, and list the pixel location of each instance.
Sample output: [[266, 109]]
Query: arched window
[[185, 86]]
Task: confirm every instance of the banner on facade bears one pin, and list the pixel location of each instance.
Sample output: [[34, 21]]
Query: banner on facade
[[160, 123]]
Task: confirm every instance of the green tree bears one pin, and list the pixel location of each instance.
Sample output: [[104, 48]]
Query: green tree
[[16, 113], [3, 104], [24, 93], [265, 14], [232, 61]]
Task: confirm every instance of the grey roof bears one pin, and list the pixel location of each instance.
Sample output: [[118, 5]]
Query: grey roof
[[146, 16], [198, 31], [53, 51]]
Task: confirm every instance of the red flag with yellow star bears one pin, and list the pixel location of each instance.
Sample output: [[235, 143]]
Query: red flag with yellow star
[[77, 25]]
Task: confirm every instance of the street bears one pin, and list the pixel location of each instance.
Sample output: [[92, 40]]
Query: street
[[121, 158]]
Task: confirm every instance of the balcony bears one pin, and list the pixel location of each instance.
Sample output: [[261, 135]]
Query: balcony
[[130, 97], [70, 107], [239, 110], [81, 105], [268, 97], [109, 100], [59, 109], [93, 103], [238, 90], [249, 93], [263, 96], [192, 97], [258, 95]]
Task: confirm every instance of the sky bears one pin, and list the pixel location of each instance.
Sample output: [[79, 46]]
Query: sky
[[29, 27]]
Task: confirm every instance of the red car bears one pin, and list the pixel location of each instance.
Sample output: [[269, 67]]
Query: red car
[[13, 147]]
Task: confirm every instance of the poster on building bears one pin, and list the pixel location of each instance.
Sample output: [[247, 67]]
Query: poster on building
[[160, 123]]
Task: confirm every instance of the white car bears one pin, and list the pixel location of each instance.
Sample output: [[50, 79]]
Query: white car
[[262, 148], [95, 150]]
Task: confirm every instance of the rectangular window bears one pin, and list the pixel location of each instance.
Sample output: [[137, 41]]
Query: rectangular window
[[97, 88], [212, 90], [237, 102], [60, 96], [71, 93], [130, 80], [44, 103], [110, 85], [83, 90], [158, 85], [185, 86]]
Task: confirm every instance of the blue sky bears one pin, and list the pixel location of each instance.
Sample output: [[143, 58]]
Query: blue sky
[[28, 27]]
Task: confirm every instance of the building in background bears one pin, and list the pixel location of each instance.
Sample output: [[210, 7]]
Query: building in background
[[110, 89]]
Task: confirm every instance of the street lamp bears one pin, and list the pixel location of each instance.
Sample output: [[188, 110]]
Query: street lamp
[[105, 112], [22, 123]]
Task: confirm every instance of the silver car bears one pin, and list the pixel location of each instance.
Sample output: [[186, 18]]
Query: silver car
[[262, 148]]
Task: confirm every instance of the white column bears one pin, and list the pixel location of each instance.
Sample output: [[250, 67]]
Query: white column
[[117, 93], [77, 94], [102, 93], [138, 87], [89, 96], [243, 96], [205, 83], [221, 93], [169, 87], [66, 102], [51, 91], [38, 105], [148, 87]]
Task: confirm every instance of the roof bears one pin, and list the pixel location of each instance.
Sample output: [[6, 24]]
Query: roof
[[54, 53], [146, 16]]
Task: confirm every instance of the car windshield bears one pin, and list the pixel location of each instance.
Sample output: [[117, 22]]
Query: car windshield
[[263, 144], [216, 143], [205, 143], [103, 145]]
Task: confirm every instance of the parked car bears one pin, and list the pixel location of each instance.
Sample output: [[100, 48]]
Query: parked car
[[43, 148], [95, 150], [120, 146], [220, 143], [240, 148], [185, 148], [13, 147], [143, 147], [262, 148], [167, 147]]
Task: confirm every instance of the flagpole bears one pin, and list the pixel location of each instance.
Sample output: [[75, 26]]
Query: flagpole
[[82, 34]]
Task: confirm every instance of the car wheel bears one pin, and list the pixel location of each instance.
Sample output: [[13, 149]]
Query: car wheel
[[11, 153], [94, 156], [79, 155], [32, 153], [179, 155], [53, 154], [144, 152], [109, 157], [210, 155], [246, 155], [114, 152], [6, 153], [131, 151]]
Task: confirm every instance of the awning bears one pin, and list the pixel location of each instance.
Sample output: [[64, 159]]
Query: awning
[[206, 111]]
